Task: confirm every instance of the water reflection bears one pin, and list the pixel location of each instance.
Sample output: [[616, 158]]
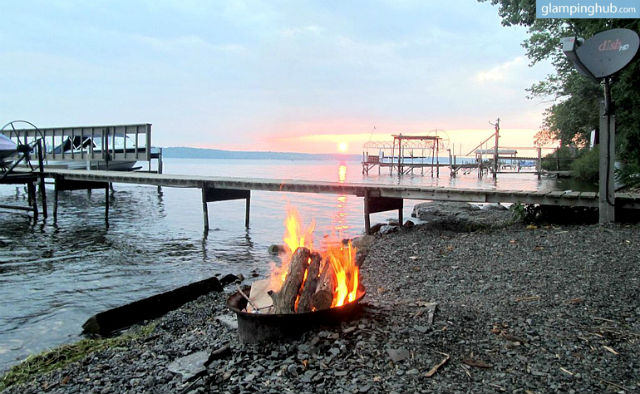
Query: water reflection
[[340, 226], [342, 173]]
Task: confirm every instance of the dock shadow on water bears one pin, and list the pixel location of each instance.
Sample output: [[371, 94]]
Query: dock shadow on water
[[53, 277]]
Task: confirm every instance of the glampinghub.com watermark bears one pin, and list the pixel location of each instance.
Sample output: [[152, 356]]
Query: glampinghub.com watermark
[[592, 9]]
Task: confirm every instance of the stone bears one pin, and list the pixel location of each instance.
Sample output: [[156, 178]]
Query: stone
[[494, 207], [228, 320], [363, 242], [388, 229], [190, 366], [435, 209], [460, 216], [398, 355], [307, 376], [292, 369], [376, 228], [304, 348], [276, 249], [341, 373]]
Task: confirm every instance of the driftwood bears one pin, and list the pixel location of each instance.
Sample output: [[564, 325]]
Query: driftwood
[[106, 323], [285, 299], [323, 296], [310, 284]]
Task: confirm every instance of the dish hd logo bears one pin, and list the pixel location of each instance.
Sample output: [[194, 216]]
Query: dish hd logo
[[588, 9], [610, 45]]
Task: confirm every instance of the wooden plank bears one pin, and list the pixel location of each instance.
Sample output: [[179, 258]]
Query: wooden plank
[[572, 195], [17, 207], [556, 194], [383, 204], [357, 189], [65, 184], [213, 194], [627, 195]]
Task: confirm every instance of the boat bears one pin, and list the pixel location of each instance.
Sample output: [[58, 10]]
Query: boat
[[8, 150], [112, 147], [81, 145]]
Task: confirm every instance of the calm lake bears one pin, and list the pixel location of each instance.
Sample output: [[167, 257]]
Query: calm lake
[[52, 278]]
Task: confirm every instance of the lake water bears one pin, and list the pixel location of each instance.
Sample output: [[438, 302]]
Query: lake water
[[52, 278]]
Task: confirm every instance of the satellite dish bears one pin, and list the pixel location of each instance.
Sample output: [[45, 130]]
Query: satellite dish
[[608, 52]]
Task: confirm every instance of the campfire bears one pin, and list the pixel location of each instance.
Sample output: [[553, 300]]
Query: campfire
[[308, 279]]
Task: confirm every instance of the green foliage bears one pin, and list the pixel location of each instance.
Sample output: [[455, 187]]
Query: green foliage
[[574, 112], [517, 212], [560, 160], [572, 119], [59, 357], [525, 213], [553, 214], [631, 175], [586, 166]]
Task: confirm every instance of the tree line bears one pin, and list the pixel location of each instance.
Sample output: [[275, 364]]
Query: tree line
[[574, 111]]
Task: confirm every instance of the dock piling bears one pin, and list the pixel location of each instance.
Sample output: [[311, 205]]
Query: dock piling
[[380, 204], [205, 210], [106, 204], [212, 194], [160, 167], [247, 210], [43, 192]]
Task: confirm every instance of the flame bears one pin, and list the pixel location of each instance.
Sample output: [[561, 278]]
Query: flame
[[296, 237], [341, 257]]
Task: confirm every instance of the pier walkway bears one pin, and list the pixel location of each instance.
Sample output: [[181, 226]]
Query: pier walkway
[[377, 197]]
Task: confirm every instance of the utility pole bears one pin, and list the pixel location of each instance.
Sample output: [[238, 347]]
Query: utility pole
[[495, 148], [606, 187]]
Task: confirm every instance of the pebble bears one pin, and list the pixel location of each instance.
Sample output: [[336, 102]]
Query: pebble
[[398, 355], [498, 290]]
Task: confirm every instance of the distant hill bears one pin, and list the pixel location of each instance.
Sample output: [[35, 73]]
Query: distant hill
[[200, 153]]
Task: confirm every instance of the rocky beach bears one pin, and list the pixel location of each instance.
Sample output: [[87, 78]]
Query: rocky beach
[[456, 305]]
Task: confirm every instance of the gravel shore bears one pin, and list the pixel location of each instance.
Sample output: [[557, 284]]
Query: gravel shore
[[519, 310]]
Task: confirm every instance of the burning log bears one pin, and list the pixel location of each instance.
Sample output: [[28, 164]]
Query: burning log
[[322, 300], [323, 297], [284, 300], [310, 284]]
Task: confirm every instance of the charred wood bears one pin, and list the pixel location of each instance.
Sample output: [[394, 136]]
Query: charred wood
[[310, 284], [285, 299]]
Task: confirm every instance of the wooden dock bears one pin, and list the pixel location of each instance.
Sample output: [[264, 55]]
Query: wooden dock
[[377, 197]]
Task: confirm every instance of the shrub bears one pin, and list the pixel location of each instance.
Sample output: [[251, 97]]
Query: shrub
[[560, 160], [629, 174], [585, 167]]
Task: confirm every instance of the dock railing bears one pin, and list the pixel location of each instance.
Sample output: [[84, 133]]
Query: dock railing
[[117, 142]]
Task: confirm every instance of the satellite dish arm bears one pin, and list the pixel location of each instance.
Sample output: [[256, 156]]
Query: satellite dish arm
[[569, 46]]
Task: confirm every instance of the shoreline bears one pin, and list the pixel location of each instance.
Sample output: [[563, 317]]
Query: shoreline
[[550, 309]]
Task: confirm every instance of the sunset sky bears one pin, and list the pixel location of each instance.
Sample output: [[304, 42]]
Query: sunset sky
[[305, 76]]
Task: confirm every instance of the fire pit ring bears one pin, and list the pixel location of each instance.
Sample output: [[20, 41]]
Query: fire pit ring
[[262, 327]]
